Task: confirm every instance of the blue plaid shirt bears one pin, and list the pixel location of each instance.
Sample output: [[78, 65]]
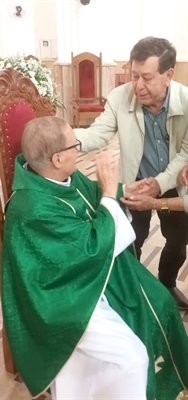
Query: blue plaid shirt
[[156, 142]]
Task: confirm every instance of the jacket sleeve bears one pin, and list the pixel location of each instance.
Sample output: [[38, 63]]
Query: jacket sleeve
[[168, 179], [103, 128]]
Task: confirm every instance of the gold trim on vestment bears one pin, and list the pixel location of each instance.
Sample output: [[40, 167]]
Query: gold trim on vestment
[[104, 287], [66, 202], [86, 200], [10, 198]]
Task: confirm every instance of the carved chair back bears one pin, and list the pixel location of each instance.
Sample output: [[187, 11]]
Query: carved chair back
[[20, 102], [86, 76]]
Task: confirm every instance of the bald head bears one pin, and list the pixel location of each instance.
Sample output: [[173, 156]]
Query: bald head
[[41, 139]]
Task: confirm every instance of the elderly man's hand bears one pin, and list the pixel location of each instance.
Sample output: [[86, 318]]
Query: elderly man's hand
[[183, 176], [107, 174], [139, 203], [134, 188], [151, 188]]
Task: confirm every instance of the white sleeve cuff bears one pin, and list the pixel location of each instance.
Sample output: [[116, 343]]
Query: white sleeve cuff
[[128, 213], [125, 234], [185, 201]]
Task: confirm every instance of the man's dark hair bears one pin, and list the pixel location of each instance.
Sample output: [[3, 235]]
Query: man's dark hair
[[152, 46]]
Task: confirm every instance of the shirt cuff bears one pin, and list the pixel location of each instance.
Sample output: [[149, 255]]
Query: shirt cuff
[[125, 234], [185, 201], [128, 213]]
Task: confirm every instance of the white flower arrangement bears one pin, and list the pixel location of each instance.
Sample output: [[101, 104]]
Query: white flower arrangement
[[39, 75]]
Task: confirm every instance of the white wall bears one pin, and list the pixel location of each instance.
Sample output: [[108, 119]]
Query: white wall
[[67, 29], [180, 29], [127, 16], [16, 36], [45, 26], [110, 26], [114, 26], [140, 18], [84, 28], [97, 28]]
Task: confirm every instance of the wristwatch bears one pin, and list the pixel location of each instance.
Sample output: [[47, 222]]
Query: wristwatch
[[164, 206]]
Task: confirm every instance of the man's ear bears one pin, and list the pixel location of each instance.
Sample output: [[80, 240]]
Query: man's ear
[[57, 160], [169, 75]]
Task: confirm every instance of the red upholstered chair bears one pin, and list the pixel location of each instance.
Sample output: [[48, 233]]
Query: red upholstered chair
[[20, 102], [87, 100], [119, 79]]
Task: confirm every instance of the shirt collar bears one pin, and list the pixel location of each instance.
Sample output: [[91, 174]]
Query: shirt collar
[[66, 183], [166, 102], [165, 105]]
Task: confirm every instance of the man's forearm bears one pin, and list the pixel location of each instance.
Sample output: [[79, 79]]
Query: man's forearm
[[174, 204], [168, 179], [125, 234], [100, 132]]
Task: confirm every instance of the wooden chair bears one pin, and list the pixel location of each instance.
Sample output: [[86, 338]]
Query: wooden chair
[[121, 79], [127, 68], [33, 57], [87, 100], [20, 102]]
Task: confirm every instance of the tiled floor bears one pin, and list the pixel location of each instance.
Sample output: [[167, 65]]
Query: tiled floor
[[11, 387]]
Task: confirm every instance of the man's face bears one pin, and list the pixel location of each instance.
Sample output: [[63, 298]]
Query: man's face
[[70, 155], [148, 84]]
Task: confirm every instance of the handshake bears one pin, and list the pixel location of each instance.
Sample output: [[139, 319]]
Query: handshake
[[140, 195], [108, 177]]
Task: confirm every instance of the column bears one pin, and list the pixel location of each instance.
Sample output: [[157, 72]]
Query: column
[[67, 29]]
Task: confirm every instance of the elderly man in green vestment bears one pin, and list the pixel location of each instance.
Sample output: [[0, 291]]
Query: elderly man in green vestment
[[80, 311]]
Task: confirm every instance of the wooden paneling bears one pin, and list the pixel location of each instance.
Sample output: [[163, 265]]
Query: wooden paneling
[[180, 75]]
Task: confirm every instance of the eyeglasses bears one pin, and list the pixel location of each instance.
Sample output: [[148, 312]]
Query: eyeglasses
[[78, 146]]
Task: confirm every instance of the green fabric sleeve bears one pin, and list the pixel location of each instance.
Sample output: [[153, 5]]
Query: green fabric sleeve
[[61, 251]]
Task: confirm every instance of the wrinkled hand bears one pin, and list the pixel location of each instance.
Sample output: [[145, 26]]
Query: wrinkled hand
[[139, 203], [151, 188], [107, 174], [183, 176], [134, 188]]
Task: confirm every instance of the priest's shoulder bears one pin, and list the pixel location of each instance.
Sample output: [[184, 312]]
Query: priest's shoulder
[[28, 203], [79, 176]]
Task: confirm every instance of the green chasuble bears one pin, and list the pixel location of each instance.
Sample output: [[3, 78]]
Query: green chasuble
[[58, 259]]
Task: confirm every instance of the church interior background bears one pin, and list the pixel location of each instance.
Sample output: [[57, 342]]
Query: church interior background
[[50, 31]]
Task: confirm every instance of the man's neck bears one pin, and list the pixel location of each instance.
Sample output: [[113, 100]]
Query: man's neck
[[67, 182], [54, 176], [51, 176], [154, 108]]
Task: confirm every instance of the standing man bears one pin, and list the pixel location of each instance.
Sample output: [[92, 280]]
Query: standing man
[[151, 117]]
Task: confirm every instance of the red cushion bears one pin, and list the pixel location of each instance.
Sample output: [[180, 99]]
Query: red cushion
[[86, 79], [14, 118], [91, 107]]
